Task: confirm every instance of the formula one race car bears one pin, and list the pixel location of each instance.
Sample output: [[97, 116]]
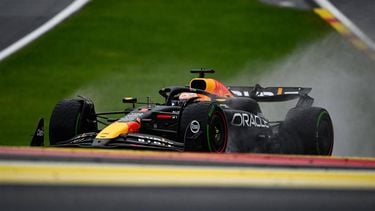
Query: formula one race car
[[205, 116]]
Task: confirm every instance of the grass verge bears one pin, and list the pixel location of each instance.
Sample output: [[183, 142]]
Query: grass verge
[[112, 49]]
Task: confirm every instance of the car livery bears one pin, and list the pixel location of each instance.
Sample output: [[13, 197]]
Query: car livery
[[205, 116]]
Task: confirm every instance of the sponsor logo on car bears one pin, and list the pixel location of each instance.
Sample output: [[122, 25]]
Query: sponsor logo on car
[[40, 132], [240, 93], [195, 126], [153, 140], [131, 117], [248, 120]]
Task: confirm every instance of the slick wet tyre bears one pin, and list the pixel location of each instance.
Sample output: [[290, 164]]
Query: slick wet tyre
[[311, 128], [203, 127], [70, 118]]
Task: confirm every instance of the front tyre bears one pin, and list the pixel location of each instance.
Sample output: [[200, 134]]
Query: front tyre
[[70, 118], [203, 127]]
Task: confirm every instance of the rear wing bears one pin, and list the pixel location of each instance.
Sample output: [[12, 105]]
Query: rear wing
[[274, 94]]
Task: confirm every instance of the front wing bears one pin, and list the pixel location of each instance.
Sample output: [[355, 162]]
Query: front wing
[[132, 140]]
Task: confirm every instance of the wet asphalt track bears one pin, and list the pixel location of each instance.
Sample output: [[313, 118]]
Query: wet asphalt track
[[180, 198], [20, 17], [360, 12], [21, 195]]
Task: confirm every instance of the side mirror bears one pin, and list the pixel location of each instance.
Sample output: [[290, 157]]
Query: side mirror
[[131, 100]]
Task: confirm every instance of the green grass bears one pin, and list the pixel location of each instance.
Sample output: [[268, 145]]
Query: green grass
[[114, 48]]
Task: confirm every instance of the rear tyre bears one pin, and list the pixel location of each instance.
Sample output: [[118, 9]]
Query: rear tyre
[[311, 130], [203, 127], [70, 118]]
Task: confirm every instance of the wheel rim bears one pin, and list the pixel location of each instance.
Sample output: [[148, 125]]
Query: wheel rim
[[217, 133]]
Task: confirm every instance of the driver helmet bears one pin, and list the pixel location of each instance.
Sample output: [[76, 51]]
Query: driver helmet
[[184, 96]]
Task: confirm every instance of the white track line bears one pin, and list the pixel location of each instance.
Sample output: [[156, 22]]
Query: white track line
[[69, 10], [348, 23]]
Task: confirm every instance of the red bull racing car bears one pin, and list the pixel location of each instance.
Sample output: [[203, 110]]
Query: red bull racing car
[[205, 116]]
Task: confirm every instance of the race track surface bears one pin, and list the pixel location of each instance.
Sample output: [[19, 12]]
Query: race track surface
[[20, 17], [92, 179], [180, 198], [360, 12]]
